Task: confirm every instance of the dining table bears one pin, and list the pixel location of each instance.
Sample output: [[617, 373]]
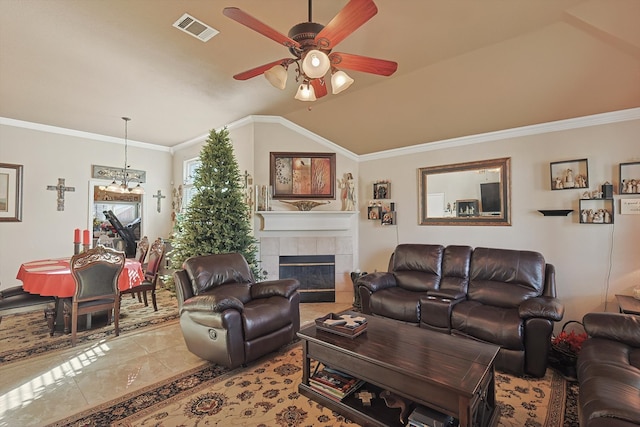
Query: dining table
[[52, 277]]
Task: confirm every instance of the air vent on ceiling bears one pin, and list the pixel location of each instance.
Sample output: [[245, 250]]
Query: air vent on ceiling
[[195, 27]]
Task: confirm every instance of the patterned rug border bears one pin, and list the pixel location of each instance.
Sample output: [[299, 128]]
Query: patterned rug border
[[144, 401], [557, 400], [56, 343]]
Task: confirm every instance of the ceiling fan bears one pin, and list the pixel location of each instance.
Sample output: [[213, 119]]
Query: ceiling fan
[[311, 45]]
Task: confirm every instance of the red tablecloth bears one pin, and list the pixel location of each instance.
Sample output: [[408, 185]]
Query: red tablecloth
[[52, 277]]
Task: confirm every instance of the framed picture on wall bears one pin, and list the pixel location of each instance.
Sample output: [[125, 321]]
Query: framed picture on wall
[[382, 190], [10, 192], [303, 175], [569, 174], [630, 178]]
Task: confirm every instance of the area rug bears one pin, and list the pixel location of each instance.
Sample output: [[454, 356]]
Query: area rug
[[25, 335], [266, 394]]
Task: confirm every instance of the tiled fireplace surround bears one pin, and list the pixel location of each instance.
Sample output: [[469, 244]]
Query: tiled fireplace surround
[[272, 247]]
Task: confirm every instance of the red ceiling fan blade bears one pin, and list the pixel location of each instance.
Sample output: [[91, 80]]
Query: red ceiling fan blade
[[251, 22], [319, 87], [245, 75], [349, 19], [363, 63]]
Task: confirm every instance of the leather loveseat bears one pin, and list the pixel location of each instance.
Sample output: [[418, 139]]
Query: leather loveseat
[[608, 370], [501, 296], [228, 318]]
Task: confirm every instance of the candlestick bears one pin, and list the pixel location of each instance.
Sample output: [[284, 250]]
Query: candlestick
[[76, 235], [76, 248], [85, 237]]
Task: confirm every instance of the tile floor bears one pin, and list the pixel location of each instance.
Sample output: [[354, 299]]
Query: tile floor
[[58, 384]]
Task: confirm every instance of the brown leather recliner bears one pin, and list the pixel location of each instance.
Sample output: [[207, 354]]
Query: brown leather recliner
[[609, 371], [228, 318]]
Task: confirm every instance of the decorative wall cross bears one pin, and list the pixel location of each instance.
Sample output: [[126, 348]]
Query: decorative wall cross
[[159, 196], [60, 188]]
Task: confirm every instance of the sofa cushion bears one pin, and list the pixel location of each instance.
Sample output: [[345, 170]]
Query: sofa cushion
[[210, 271], [501, 326], [418, 267], [504, 277], [455, 268], [397, 303]]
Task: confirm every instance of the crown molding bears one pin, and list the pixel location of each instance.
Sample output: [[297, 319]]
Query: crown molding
[[560, 125], [79, 134]]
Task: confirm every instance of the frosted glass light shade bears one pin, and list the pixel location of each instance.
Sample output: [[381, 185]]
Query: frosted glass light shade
[[113, 187], [277, 76], [137, 189], [315, 64], [306, 93], [340, 81]]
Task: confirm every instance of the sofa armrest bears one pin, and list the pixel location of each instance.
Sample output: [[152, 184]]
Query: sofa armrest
[[211, 304], [269, 288], [613, 326], [544, 307], [184, 291], [377, 281]]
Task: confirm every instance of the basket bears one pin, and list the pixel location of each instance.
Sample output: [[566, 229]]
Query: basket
[[562, 357]]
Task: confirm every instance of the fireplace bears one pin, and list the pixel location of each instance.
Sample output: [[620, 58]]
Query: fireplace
[[316, 274]]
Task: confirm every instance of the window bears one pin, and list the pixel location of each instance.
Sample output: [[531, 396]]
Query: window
[[190, 168]]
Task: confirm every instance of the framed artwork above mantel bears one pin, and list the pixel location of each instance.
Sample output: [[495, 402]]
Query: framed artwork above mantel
[[302, 175]]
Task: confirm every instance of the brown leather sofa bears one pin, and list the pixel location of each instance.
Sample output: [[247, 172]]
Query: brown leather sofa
[[609, 371], [505, 297], [228, 318]]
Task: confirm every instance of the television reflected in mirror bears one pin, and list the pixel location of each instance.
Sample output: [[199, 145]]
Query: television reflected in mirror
[[472, 193]]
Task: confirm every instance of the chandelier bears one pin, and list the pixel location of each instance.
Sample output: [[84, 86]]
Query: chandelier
[[125, 175]]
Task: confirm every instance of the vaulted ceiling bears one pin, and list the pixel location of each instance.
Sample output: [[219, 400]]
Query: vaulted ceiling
[[464, 67]]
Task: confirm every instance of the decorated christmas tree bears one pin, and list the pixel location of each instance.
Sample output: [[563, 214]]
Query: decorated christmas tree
[[217, 218]]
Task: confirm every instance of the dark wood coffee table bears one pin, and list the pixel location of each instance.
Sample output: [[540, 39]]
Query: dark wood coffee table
[[450, 374]]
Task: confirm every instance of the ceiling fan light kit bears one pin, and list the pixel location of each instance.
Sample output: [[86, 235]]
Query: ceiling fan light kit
[[340, 81], [305, 93], [277, 76], [311, 45], [315, 64]]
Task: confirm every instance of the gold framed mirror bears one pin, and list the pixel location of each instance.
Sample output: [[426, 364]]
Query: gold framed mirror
[[472, 193]]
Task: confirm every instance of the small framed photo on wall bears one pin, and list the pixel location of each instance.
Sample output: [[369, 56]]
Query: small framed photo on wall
[[373, 212], [630, 178], [569, 174], [382, 190]]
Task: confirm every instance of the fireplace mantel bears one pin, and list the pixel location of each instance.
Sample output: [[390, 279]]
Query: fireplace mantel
[[305, 220]]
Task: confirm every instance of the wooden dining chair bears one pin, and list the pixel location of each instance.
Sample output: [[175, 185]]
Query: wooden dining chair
[[151, 274], [95, 273], [141, 254]]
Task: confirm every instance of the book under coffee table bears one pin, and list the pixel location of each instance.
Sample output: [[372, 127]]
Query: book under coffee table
[[449, 374]]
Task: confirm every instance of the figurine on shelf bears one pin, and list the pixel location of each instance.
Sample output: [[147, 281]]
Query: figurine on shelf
[[568, 179], [557, 184]]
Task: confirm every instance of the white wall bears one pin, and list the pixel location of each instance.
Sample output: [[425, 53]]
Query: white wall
[[593, 262], [46, 232]]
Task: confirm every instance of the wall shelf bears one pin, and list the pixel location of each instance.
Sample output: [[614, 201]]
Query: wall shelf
[[305, 220], [555, 212]]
